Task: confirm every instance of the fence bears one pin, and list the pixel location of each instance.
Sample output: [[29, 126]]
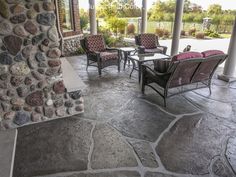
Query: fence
[[152, 25]]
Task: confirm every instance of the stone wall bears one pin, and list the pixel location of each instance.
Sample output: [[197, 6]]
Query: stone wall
[[72, 45], [31, 86]]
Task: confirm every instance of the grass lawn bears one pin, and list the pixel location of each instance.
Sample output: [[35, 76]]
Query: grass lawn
[[225, 35]]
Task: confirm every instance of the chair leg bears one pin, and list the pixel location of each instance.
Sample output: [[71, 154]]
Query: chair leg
[[87, 65], [99, 71], [165, 97], [143, 88], [119, 66], [209, 85], [165, 102]]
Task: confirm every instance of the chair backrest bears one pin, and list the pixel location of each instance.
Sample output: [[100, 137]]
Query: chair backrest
[[198, 68], [148, 40], [183, 67], [95, 43], [183, 72], [207, 68]]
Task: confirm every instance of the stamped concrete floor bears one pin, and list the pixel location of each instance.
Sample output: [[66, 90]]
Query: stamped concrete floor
[[126, 134]]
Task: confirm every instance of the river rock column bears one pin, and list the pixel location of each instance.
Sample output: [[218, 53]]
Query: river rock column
[[230, 64], [31, 85], [92, 17], [177, 27], [144, 17]]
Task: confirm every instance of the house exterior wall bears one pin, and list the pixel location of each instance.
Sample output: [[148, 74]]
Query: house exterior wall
[[71, 39]]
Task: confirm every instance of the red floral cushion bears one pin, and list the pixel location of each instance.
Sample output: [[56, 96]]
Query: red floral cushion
[[148, 41], [95, 43], [208, 53], [187, 55]]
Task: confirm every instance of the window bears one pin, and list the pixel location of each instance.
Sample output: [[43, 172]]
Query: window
[[66, 15]]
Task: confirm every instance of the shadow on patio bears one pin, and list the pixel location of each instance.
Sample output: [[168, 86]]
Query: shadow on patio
[[126, 134]]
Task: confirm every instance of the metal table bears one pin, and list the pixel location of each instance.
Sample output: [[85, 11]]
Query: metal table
[[142, 58], [126, 51]]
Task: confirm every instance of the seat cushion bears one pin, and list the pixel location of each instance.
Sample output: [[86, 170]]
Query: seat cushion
[[155, 50], [95, 43], [109, 56], [208, 53], [187, 55], [148, 41]]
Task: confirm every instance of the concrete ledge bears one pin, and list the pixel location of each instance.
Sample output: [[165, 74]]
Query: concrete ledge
[[7, 152], [71, 79]]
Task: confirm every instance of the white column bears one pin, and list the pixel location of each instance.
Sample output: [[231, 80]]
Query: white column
[[144, 17], [92, 17], [230, 64], [177, 26]]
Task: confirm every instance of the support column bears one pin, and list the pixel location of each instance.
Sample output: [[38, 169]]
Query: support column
[[230, 64], [144, 17], [92, 17], [177, 26]]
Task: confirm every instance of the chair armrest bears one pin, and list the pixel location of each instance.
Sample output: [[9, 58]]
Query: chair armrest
[[94, 52], [141, 49], [164, 48], [110, 49]]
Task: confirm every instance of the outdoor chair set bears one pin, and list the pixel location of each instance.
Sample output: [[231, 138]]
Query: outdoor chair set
[[183, 69], [101, 56], [97, 52], [169, 72]]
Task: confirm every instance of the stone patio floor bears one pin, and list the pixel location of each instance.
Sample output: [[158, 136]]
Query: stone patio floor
[[126, 134]]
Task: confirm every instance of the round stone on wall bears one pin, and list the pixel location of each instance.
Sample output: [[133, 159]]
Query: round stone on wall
[[20, 69], [35, 99]]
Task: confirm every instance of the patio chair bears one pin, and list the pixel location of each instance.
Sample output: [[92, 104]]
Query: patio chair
[[97, 52], [148, 43], [184, 69]]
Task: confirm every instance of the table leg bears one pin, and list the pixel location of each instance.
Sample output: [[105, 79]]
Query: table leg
[[139, 71], [133, 62], [125, 58]]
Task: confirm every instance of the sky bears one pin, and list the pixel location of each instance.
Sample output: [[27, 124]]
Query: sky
[[226, 4]]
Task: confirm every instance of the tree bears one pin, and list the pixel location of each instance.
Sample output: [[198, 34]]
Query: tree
[[160, 8], [116, 24], [214, 9], [84, 19], [118, 8], [128, 8], [107, 9]]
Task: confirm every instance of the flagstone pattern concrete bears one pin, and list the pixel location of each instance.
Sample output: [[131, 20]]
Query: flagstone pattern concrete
[[126, 134]]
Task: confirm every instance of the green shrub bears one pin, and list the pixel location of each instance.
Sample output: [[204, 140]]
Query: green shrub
[[166, 33], [80, 51], [212, 34], [116, 24], [200, 35], [159, 32], [183, 33], [131, 28], [192, 32]]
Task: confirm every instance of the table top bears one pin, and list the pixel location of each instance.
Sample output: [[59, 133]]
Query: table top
[[127, 49], [149, 57]]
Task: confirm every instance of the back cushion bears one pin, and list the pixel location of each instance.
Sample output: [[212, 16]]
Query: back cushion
[[208, 53], [148, 41], [187, 55], [95, 43]]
